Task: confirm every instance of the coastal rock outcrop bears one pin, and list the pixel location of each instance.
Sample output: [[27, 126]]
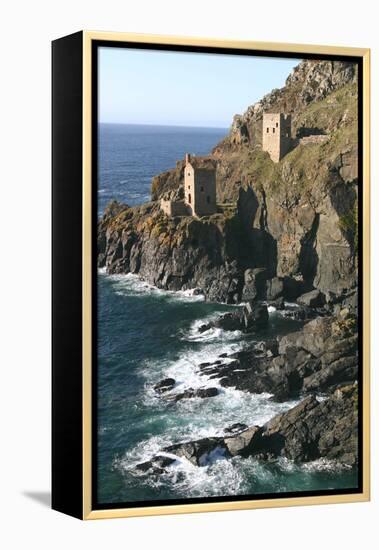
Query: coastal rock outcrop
[[316, 429], [164, 389], [165, 385], [190, 393], [252, 317], [311, 430], [318, 358], [200, 452], [174, 253]]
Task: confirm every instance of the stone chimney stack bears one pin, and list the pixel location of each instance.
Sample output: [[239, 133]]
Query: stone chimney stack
[[188, 158]]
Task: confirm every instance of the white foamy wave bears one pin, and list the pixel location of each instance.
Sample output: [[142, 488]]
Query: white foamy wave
[[319, 465], [218, 475], [196, 418], [132, 285], [214, 413], [213, 333], [184, 368], [193, 293]]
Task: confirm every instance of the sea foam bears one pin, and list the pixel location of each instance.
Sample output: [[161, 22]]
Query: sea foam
[[131, 284]]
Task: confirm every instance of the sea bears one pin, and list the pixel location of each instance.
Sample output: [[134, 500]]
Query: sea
[[146, 334]]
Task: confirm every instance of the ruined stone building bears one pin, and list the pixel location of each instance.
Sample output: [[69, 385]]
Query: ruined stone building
[[276, 135], [199, 189], [200, 185]]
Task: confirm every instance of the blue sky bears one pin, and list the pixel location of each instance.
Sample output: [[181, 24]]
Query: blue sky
[[184, 89]]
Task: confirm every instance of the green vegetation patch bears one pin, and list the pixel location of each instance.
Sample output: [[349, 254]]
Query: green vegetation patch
[[349, 226]]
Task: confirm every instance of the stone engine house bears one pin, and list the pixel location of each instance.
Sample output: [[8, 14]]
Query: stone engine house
[[199, 189], [276, 135], [200, 185]]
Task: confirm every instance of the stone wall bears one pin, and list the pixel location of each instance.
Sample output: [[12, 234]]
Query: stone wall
[[205, 192], [175, 208], [317, 138]]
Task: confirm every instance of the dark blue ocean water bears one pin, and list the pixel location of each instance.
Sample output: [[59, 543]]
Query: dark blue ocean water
[[146, 334]]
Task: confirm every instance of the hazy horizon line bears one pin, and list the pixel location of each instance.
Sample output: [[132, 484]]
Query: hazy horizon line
[[165, 125]]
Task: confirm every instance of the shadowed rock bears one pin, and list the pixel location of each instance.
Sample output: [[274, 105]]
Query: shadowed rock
[[236, 428], [255, 316], [319, 357], [245, 443], [191, 393], [254, 284], [312, 429], [164, 385], [202, 451], [157, 465], [314, 298]]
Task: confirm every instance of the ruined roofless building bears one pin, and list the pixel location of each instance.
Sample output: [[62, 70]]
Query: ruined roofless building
[[200, 185], [199, 189], [276, 135]]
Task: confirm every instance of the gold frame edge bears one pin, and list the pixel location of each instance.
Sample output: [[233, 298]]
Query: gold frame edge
[[278, 502]]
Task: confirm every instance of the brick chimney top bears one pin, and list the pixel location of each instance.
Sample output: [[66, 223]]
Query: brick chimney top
[[188, 158]]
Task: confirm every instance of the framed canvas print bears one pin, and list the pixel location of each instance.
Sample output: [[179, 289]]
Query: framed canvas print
[[210, 275]]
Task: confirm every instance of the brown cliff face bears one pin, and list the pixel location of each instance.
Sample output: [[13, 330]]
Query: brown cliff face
[[175, 253], [305, 198], [295, 218]]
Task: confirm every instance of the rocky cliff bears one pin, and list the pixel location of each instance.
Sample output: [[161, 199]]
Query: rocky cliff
[[284, 231], [294, 220]]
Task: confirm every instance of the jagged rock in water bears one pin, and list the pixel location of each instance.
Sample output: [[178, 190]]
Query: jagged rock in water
[[227, 321], [191, 393], [319, 357], [245, 443], [200, 452], [252, 317], [309, 431], [255, 316], [157, 465], [236, 428], [313, 429], [164, 385]]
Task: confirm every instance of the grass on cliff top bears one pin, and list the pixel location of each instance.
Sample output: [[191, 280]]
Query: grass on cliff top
[[308, 165], [339, 107]]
